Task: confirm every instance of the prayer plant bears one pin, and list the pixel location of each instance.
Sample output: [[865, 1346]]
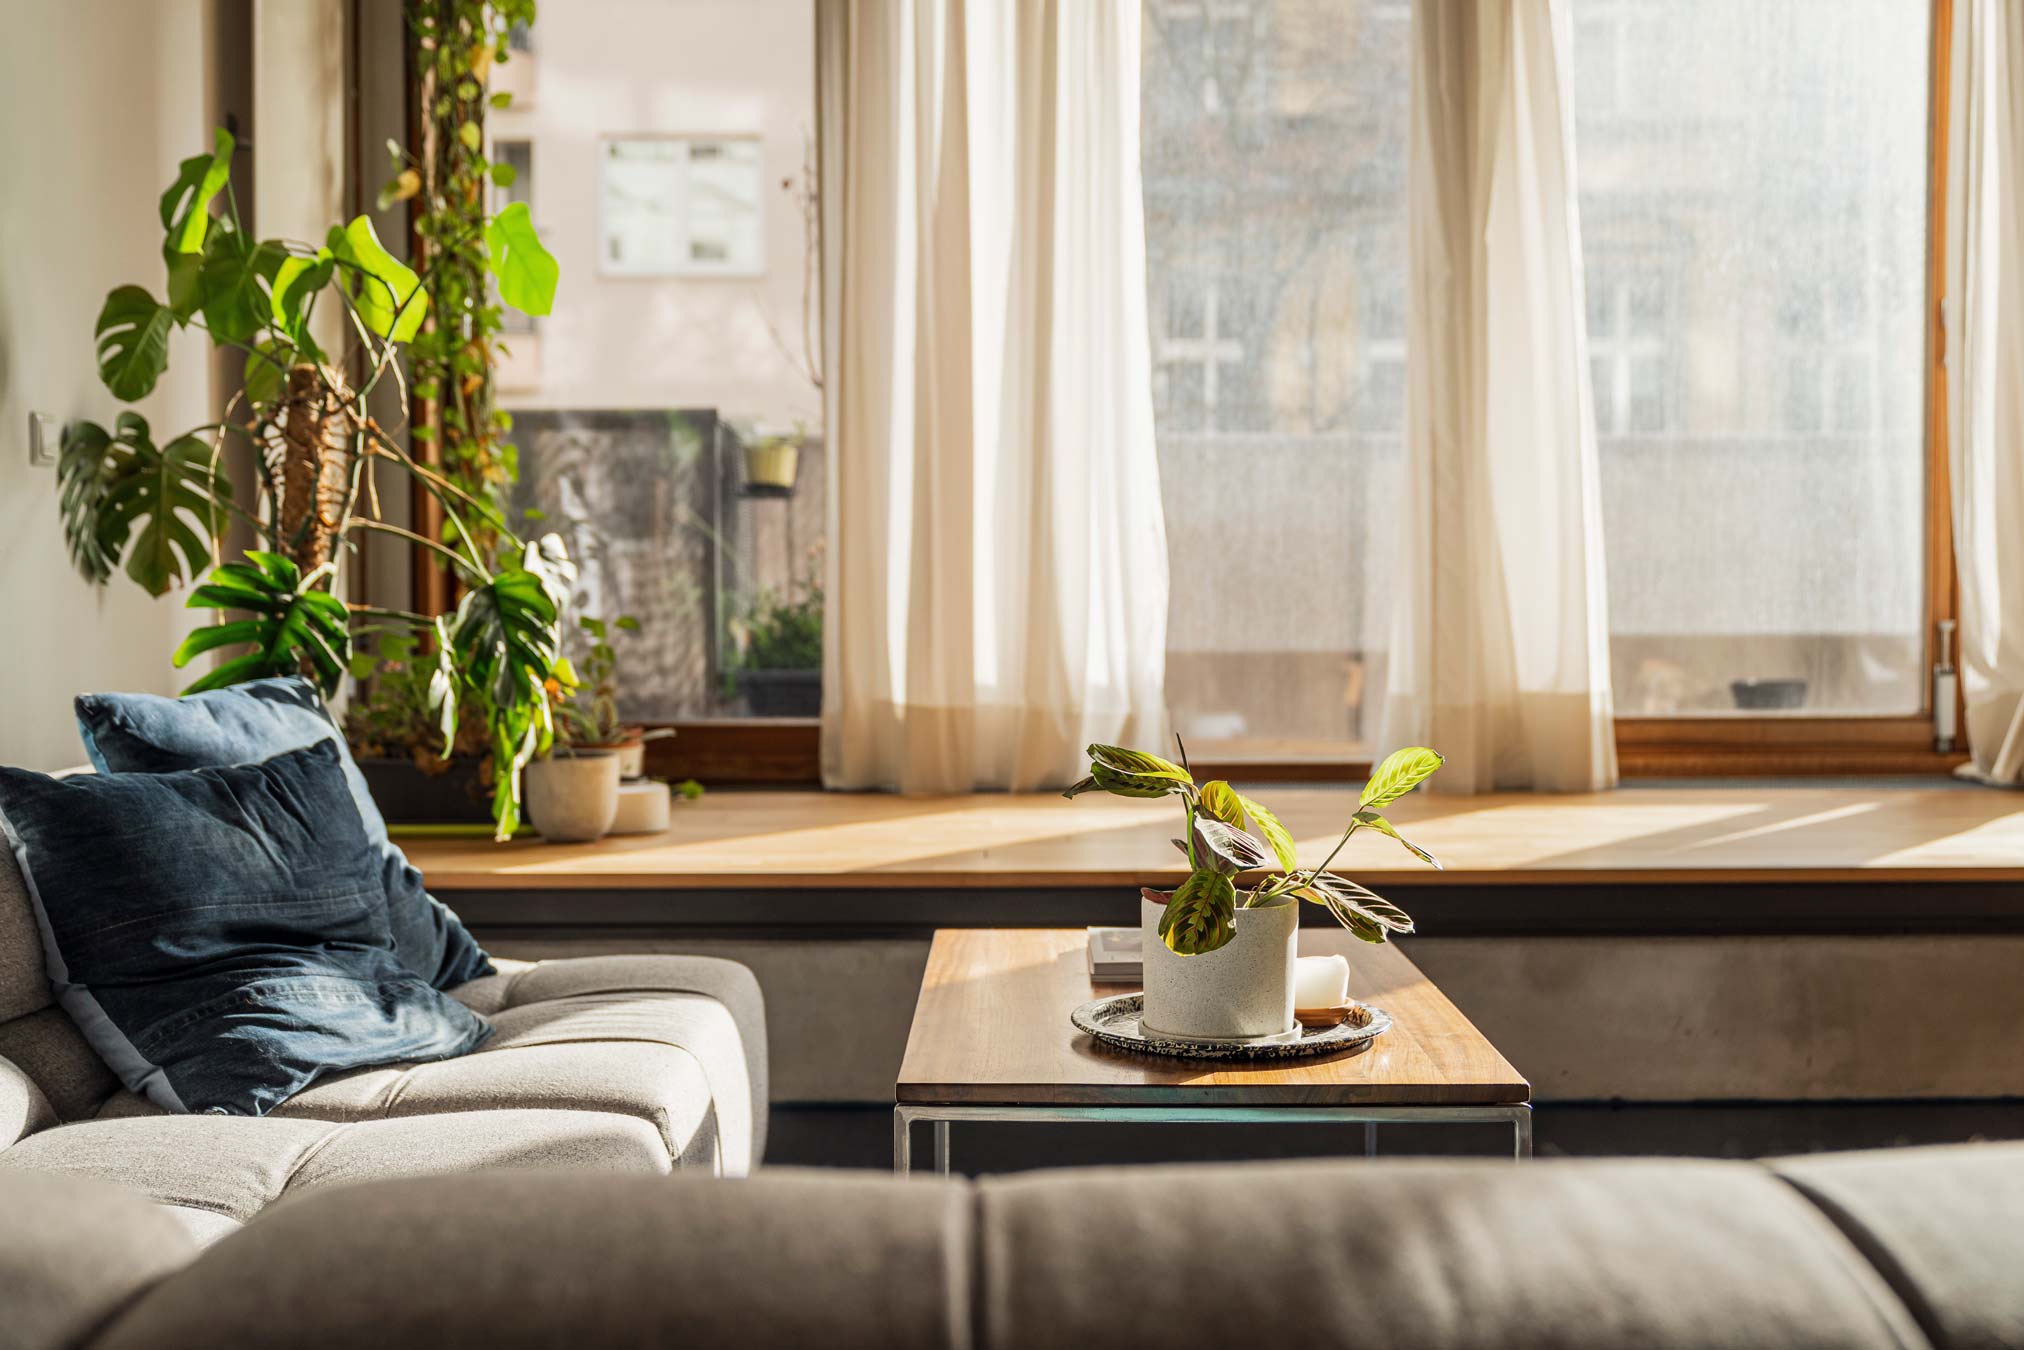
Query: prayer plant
[[162, 510], [1222, 847]]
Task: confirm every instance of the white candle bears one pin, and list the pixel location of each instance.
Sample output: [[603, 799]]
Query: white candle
[[1321, 982]]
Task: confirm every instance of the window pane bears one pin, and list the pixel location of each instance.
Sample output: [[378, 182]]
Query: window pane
[[667, 415], [1274, 136], [1752, 190]]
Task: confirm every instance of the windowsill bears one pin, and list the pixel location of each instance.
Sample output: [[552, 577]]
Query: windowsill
[[1756, 831]]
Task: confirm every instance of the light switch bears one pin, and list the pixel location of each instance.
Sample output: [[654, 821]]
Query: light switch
[[42, 441]]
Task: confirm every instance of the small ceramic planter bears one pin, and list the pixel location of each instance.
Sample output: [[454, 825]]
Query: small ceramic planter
[[772, 465], [573, 799], [1241, 991], [631, 749]]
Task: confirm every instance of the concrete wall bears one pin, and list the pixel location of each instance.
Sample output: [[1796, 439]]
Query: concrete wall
[[100, 99], [1585, 1019]]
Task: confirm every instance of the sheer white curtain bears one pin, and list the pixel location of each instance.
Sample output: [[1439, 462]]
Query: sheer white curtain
[[1988, 443], [1500, 643], [997, 565]]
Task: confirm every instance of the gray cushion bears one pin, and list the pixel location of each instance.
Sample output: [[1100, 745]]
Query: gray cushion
[[1431, 1255], [74, 1252], [49, 1048], [23, 1108], [783, 1260], [24, 985], [645, 1056], [1944, 1225], [236, 1166]]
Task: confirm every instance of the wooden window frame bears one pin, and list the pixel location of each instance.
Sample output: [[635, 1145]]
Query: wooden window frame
[[782, 752]]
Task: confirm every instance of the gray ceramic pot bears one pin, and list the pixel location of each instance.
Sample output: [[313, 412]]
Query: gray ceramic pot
[[1241, 991], [573, 799]]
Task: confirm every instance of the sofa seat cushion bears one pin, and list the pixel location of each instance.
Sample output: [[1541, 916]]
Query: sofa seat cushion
[[520, 984], [236, 1166], [673, 1061]]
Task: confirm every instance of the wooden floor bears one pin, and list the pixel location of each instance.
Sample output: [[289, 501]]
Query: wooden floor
[[1775, 834]]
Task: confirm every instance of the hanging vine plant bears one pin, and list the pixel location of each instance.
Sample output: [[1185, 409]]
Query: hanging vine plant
[[473, 261]]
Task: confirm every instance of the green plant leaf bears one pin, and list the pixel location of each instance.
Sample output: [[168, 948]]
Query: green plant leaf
[[1357, 907], [1231, 847], [1137, 762], [186, 283], [387, 292], [1219, 801], [1401, 772], [266, 369], [85, 472], [1276, 835], [1198, 917], [297, 627], [133, 342], [527, 271], [1377, 822], [186, 206], [296, 284], [443, 685], [234, 303], [122, 496], [1131, 784]]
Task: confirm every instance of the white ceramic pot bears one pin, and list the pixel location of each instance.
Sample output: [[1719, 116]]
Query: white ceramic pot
[[573, 799], [1241, 991], [632, 756]]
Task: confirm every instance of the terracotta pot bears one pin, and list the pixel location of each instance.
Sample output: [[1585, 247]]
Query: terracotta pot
[[573, 799], [1241, 991], [772, 464]]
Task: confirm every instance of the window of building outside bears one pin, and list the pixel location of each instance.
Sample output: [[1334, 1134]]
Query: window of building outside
[[668, 413], [1274, 159], [1753, 195]]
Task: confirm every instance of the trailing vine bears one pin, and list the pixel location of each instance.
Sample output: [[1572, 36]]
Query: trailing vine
[[454, 44]]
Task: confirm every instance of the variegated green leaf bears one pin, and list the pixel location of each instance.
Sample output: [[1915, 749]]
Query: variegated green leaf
[[1229, 849], [1373, 820], [1131, 784], [1401, 772], [1276, 835], [1199, 916], [1340, 894], [1136, 762], [1219, 801]]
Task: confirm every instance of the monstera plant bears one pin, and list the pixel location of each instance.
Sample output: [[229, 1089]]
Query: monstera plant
[[1228, 836], [160, 509]]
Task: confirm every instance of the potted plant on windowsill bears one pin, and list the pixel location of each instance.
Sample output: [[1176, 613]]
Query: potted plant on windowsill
[[777, 645], [396, 739], [589, 718], [772, 463], [1220, 948]]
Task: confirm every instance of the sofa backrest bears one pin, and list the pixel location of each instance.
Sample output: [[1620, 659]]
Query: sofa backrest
[[1897, 1250], [37, 1038]]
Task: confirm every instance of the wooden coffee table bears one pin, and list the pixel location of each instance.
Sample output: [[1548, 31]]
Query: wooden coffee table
[[991, 1040]]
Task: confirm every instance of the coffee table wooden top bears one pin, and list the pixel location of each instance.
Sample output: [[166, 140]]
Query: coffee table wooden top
[[992, 1028]]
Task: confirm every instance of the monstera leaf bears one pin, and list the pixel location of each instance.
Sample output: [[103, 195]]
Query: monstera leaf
[[133, 342], [295, 628], [296, 282], [186, 206], [1199, 916], [387, 292], [120, 495], [236, 305], [527, 271], [507, 639]]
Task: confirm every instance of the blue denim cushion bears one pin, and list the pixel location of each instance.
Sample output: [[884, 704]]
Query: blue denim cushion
[[220, 935], [244, 724]]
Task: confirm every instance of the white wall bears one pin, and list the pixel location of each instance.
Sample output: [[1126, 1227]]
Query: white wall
[[99, 99]]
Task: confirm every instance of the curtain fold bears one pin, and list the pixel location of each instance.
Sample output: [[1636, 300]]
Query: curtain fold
[[1987, 447], [997, 570], [1500, 641]]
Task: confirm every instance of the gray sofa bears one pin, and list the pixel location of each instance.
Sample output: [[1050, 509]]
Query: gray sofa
[[636, 1064], [1907, 1249]]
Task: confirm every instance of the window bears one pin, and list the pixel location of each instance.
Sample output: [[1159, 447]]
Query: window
[[1753, 195], [671, 429], [1274, 136]]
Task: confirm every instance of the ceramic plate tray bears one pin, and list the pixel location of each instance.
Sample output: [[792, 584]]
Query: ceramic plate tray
[[1115, 1022]]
